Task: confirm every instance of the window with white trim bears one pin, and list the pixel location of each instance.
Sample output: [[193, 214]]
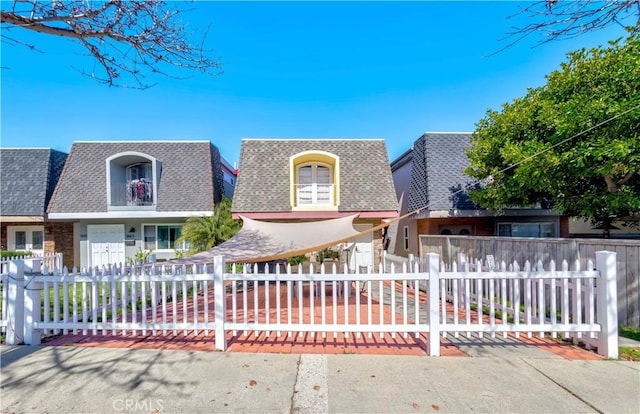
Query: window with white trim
[[132, 179], [21, 240], [37, 242], [406, 237], [315, 181], [163, 237], [314, 184], [26, 238]]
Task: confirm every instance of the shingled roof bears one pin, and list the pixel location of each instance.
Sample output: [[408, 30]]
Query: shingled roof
[[191, 177], [263, 183], [28, 177], [437, 175]]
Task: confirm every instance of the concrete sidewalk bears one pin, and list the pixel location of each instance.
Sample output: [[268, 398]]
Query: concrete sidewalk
[[100, 380]]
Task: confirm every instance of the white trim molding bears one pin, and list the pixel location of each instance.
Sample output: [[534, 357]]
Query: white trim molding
[[128, 215]]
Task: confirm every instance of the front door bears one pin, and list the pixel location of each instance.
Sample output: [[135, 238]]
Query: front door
[[106, 244], [361, 256]]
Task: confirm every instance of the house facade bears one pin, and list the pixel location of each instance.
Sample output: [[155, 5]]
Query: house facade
[[300, 180], [124, 197], [28, 177], [429, 178]]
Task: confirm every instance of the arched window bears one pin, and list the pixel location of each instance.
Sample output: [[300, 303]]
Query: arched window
[[314, 184], [132, 181], [315, 180]]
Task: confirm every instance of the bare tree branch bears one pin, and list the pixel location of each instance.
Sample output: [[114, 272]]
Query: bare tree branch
[[131, 38], [565, 19], [625, 179]]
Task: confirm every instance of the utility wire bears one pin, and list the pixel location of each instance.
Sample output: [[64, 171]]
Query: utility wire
[[468, 186], [407, 215]]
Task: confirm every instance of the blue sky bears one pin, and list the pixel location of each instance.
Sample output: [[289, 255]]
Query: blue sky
[[386, 70]]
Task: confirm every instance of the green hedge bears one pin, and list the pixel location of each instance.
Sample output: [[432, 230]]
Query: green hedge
[[13, 253]]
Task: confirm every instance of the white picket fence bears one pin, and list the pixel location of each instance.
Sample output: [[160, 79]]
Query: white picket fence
[[124, 299], [429, 298], [4, 315], [48, 260], [562, 299]]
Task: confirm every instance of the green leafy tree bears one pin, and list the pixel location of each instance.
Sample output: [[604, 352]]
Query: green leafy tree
[[574, 142], [203, 233]]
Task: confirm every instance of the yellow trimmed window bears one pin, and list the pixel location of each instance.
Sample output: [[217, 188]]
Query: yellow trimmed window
[[314, 181]]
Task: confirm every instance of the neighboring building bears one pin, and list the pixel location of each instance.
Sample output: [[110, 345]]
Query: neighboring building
[[430, 178], [307, 180], [581, 228], [123, 196], [28, 177], [229, 176]]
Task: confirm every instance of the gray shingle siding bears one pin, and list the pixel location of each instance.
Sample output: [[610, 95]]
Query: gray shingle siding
[[418, 190], [217, 177], [263, 183], [438, 173], [186, 180], [56, 165], [27, 179]]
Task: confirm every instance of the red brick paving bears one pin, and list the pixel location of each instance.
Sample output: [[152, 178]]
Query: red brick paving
[[351, 343]]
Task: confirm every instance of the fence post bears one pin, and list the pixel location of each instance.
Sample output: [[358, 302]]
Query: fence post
[[220, 302], [31, 310], [384, 260], [607, 304], [15, 303], [32, 301], [433, 302], [410, 266]]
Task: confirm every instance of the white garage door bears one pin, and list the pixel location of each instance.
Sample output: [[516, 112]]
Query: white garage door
[[106, 244]]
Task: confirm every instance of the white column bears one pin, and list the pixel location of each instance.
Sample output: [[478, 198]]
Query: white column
[[220, 302], [433, 302], [31, 310], [607, 304], [15, 303]]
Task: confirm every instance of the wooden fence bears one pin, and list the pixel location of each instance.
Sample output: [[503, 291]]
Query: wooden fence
[[511, 249]]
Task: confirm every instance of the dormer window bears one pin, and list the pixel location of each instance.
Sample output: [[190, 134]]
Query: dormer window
[[315, 181], [132, 179], [139, 185], [314, 185]]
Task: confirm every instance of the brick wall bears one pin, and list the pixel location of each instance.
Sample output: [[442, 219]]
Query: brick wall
[[58, 238], [564, 226], [482, 226]]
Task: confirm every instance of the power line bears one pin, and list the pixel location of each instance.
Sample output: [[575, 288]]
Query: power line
[[407, 215], [468, 186]]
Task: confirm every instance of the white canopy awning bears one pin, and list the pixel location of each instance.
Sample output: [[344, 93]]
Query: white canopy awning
[[263, 241]]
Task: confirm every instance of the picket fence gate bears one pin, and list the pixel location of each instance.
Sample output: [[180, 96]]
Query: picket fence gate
[[428, 298]]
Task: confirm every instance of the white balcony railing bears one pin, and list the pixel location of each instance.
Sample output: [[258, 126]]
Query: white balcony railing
[[133, 193], [314, 194]]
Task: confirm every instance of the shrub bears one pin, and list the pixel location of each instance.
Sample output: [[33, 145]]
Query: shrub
[[6, 254], [296, 260]]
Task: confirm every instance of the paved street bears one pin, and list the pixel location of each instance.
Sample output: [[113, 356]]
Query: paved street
[[70, 379]]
